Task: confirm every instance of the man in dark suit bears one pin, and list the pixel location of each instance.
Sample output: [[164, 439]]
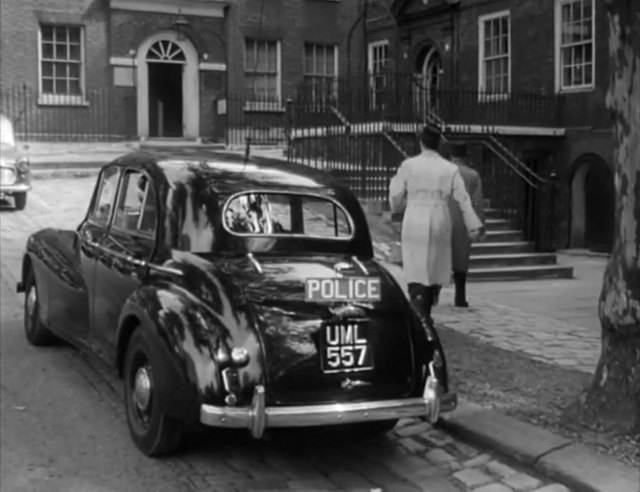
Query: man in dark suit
[[460, 241]]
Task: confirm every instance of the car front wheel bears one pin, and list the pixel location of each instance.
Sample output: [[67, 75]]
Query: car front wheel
[[37, 334], [154, 433], [20, 201]]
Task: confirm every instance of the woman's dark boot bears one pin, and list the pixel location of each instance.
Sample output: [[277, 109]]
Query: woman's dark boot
[[460, 280], [436, 294], [430, 299]]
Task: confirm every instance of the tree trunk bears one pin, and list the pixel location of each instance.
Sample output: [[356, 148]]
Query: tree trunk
[[613, 398]]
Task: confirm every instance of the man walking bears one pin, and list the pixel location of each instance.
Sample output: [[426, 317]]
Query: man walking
[[460, 241], [422, 188]]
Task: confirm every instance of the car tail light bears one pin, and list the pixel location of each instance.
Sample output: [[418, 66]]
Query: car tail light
[[23, 165], [222, 356], [236, 357], [239, 356]]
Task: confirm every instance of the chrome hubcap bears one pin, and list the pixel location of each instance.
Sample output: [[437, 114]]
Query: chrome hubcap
[[142, 389], [32, 298]]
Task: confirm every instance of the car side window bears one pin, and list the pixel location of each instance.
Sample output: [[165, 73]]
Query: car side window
[[106, 196], [136, 211]]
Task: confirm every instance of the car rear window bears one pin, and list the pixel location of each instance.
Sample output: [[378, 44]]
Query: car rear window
[[286, 214]]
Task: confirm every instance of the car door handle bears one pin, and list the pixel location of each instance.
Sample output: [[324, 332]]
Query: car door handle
[[135, 261]]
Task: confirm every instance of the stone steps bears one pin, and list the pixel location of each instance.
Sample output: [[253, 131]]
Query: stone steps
[[504, 255], [512, 259], [520, 272]]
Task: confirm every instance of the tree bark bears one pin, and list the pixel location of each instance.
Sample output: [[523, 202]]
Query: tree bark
[[612, 401]]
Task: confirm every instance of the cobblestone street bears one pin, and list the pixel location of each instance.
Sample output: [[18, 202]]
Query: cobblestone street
[[74, 403]]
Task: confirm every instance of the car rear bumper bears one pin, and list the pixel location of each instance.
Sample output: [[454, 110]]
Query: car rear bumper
[[257, 418]]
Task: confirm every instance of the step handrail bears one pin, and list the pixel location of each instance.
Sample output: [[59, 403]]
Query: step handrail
[[489, 145], [432, 117], [514, 158], [395, 144], [509, 160], [340, 116]]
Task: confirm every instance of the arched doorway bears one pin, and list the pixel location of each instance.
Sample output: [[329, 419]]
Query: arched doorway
[[429, 67], [592, 205], [167, 89]]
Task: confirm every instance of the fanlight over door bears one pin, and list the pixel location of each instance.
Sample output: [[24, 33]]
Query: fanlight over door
[[166, 51]]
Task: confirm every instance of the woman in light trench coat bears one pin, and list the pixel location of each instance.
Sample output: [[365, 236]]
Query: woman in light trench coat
[[423, 187]]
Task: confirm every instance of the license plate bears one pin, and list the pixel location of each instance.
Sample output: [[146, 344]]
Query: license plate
[[343, 289], [346, 347]]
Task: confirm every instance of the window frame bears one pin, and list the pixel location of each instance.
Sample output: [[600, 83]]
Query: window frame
[[370, 52], [98, 192], [557, 20], [150, 183], [311, 77], [374, 76], [252, 103], [48, 99], [346, 238], [482, 81]]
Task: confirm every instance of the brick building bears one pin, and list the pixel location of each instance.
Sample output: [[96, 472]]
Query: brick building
[[165, 68], [554, 52]]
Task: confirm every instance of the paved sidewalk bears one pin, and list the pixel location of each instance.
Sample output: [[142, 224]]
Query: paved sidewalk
[[540, 329], [543, 337]]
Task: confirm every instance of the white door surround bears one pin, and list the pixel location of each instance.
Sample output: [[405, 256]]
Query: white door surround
[[431, 68], [190, 84]]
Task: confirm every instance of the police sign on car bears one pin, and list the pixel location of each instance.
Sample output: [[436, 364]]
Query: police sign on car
[[346, 289]]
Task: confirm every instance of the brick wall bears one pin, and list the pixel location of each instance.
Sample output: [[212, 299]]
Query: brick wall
[[294, 22], [533, 55], [533, 63], [533, 68], [19, 21], [19, 26], [130, 29]]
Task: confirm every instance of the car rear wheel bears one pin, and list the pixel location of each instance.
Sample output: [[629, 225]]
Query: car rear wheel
[[20, 201], [154, 433], [37, 334]]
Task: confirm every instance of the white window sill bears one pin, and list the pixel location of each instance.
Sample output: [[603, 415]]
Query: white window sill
[[62, 100], [576, 90], [492, 97], [264, 107]]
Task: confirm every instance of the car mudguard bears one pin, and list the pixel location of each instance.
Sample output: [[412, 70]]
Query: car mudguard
[[187, 335]]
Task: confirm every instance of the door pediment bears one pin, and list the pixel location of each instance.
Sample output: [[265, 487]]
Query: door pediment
[[408, 8], [201, 8]]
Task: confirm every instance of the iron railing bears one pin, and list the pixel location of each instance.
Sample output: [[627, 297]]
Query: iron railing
[[362, 137], [100, 114], [263, 119], [407, 98]]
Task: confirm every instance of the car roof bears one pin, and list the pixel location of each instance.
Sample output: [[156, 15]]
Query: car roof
[[230, 173]]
